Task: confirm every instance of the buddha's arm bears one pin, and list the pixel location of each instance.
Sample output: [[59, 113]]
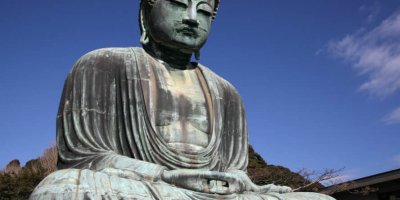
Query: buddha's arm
[[126, 167], [93, 129]]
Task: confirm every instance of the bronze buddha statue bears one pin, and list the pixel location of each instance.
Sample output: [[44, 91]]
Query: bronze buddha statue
[[147, 123]]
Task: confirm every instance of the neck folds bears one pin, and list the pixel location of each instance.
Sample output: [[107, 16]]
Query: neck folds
[[173, 57]]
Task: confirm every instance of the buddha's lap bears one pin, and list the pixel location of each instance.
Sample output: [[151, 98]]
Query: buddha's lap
[[87, 184]]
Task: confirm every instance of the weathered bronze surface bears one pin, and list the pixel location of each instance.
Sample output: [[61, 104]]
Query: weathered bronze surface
[[146, 123]]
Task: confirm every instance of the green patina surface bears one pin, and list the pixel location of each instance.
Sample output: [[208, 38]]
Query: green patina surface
[[146, 123]]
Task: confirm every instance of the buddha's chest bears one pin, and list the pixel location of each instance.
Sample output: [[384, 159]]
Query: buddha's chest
[[181, 110]]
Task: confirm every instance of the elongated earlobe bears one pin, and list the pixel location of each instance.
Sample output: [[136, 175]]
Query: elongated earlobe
[[144, 39], [197, 55]]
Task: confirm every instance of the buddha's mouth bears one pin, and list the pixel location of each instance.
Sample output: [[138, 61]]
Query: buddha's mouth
[[188, 31]]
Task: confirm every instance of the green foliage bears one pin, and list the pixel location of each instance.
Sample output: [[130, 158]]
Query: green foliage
[[21, 185], [7, 186], [18, 183]]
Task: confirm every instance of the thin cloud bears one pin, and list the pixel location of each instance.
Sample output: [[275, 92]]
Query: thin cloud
[[374, 53], [396, 159], [338, 180], [372, 11], [393, 118]]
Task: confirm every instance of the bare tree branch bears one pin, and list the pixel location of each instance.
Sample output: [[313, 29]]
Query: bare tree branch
[[314, 177]]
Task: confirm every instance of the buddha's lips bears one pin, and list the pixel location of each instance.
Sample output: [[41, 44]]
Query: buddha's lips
[[188, 31]]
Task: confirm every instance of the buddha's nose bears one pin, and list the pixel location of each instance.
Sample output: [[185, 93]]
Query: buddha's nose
[[191, 17], [191, 22]]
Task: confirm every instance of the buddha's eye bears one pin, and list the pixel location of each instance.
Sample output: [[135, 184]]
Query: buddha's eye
[[204, 12], [204, 9], [179, 3]]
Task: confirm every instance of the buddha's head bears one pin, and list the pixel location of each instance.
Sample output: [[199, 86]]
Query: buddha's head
[[183, 25]]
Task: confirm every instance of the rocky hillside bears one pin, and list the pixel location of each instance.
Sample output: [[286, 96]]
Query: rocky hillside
[[262, 173]]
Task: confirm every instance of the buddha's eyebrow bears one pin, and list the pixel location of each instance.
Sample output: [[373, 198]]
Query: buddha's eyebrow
[[205, 2]]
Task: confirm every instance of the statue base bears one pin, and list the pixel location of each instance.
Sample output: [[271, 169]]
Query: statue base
[[87, 184]]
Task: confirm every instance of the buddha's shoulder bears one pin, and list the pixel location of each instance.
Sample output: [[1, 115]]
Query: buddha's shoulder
[[222, 83], [110, 53], [108, 58]]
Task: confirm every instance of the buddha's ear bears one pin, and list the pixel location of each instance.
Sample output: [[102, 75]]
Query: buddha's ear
[[144, 39], [145, 6]]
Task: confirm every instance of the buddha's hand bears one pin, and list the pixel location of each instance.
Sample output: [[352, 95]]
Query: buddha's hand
[[271, 188], [122, 173], [250, 186], [207, 181]]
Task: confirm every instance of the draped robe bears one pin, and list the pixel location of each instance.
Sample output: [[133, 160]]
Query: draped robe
[[107, 140]]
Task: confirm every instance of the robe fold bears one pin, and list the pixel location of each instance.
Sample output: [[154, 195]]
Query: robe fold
[[107, 112], [107, 140]]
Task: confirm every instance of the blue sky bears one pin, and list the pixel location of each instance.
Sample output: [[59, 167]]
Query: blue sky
[[320, 79]]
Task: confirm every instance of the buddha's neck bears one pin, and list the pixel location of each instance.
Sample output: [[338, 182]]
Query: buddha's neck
[[174, 58]]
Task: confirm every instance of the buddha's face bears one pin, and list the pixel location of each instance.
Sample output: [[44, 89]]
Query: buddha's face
[[181, 24]]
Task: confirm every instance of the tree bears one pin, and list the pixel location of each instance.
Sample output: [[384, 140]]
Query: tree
[[18, 183], [261, 173]]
